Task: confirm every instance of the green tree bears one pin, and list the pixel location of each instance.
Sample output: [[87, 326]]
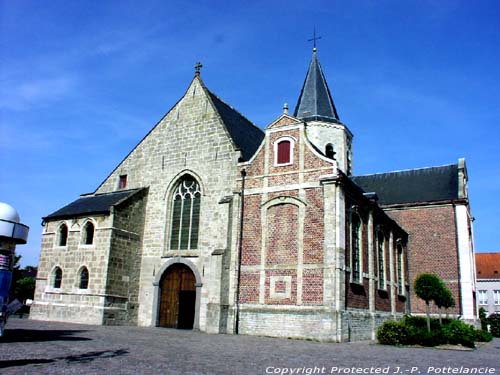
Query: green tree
[[428, 286], [24, 288]]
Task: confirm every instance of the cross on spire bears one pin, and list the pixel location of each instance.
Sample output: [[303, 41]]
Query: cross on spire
[[314, 39], [197, 68]]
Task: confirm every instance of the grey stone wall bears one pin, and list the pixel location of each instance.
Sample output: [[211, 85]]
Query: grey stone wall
[[189, 139], [122, 287], [69, 302]]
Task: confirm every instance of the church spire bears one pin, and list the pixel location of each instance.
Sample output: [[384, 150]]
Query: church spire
[[315, 101]]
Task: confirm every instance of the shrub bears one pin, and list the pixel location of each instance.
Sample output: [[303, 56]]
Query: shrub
[[483, 336], [390, 333], [457, 332], [412, 330], [483, 319], [494, 322]]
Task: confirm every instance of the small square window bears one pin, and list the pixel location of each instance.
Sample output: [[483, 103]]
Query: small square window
[[122, 182]]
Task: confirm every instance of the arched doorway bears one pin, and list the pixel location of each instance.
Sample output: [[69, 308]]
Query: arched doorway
[[177, 297]]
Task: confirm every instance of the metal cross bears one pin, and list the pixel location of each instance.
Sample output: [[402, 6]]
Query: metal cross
[[197, 68], [314, 39]]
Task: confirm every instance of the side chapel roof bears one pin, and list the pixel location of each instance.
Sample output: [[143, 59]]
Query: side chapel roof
[[98, 204], [412, 186], [315, 101]]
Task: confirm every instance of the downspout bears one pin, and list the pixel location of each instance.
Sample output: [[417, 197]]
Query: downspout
[[240, 250]]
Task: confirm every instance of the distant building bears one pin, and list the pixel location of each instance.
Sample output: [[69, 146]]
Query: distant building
[[212, 224], [488, 281]]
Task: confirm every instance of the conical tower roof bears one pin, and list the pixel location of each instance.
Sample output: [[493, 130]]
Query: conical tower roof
[[315, 101]]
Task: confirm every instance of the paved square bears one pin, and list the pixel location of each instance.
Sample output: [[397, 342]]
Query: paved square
[[36, 347]]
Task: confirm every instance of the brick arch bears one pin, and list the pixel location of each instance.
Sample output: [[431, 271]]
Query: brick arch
[[284, 200]]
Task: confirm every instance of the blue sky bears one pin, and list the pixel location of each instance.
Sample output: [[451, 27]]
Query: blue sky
[[81, 82]]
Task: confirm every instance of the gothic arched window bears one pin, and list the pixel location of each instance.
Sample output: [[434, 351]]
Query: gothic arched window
[[63, 235], [84, 278], [356, 247], [381, 259], [88, 233], [185, 215], [57, 277]]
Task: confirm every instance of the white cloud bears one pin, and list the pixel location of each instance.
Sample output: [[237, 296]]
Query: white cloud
[[20, 96]]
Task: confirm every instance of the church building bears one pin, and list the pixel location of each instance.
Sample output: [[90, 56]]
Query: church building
[[210, 223]]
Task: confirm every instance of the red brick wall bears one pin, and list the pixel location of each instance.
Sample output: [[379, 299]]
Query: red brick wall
[[252, 232], [432, 247], [282, 232], [312, 289], [314, 227], [249, 287]]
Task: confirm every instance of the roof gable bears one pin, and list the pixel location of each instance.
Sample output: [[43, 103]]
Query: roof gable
[[412, 186], [488, 265], [284, 120]]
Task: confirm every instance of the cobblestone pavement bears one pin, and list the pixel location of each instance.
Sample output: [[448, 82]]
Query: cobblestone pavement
[[35, 347]]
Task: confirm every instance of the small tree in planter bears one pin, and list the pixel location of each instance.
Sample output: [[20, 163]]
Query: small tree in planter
[[428, 287], [443, 298]]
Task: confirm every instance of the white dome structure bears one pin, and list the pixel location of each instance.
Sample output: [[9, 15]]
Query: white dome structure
[[8, 213], [10, 226]]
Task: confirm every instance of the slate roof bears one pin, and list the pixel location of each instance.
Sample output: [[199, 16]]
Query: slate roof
[[488, 265], [245, 135], [91, 205], [315, 101], [412, 186]]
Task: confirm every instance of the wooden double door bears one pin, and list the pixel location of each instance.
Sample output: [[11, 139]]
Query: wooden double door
[[178, 297]]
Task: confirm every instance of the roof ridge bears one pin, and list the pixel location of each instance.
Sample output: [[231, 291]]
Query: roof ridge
[[405, 170]]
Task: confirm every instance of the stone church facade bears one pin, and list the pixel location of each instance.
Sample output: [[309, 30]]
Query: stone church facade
[[210, 223]]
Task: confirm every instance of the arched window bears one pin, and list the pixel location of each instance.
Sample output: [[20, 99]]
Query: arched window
[[329, 151], [88, 233], [381, 259], [356, 247], [57, 277], [283, 151], [84, 278], [63, 235], [185, 215]]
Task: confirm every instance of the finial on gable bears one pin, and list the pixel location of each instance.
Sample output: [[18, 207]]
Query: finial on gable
[[285, 108], [197, 68]]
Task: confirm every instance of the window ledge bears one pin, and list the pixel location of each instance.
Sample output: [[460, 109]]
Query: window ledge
[[357, 283], [181, 253]]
